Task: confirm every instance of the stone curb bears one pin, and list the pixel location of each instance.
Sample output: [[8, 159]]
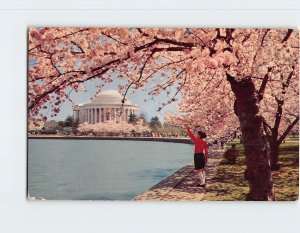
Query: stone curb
[[182, 184]]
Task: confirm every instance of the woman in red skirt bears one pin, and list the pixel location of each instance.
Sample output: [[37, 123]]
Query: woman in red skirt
[[200, 158]]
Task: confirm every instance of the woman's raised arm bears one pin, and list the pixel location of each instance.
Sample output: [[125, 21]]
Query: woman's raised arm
[[191, 135]]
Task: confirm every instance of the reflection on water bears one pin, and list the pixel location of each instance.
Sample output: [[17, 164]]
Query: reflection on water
[[100, 170]]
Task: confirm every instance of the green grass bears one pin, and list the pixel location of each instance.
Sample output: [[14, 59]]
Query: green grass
[[286, 181], [229, 184]]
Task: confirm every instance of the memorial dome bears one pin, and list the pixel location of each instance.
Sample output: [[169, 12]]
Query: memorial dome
[[110, 97]]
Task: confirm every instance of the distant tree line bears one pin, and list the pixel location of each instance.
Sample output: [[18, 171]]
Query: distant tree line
[[68, 122], [156, 125]]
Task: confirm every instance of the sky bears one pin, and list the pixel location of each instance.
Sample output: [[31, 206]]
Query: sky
[[148, 108]]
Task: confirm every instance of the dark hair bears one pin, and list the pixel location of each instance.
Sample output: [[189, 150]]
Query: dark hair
[[202, 134]]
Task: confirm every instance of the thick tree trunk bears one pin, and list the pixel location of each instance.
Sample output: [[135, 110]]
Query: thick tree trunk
[[258, 171]]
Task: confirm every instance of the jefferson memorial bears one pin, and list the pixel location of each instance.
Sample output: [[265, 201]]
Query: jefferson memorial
[[106, 106]]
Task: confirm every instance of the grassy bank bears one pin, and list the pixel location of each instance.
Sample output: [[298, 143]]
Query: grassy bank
[[229, 183]]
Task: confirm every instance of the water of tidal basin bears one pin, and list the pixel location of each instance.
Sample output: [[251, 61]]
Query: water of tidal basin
[[100, 169]]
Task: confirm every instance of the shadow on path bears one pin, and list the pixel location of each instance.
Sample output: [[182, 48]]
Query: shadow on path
[[182, 185]]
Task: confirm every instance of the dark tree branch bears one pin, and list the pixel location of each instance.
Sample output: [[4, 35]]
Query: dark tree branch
[[267, 128], [288, 80], [61, 37], [288, 130], [78, 46], [178, 89], [277, 116], [168, 83], [262, 41], [203, 31], [109, 36], [263, 85], [144, 65], [228, 37], [52, 63], [287, 36], [143, 33], [141, 74], [203, 44], [68, 72], [165, 65], [246, 38], [280, 103], [212, 77], [107, 64], [153, 51], [166, 41], [39, 78]]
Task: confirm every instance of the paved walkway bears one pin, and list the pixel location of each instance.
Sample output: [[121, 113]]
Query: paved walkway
[[182, 185]]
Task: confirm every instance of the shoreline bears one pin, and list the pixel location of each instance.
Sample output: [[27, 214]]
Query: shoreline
[[151, 139], [182, 184]]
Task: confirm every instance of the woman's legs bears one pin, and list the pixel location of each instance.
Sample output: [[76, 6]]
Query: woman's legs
[[200, 162], [201, 176]]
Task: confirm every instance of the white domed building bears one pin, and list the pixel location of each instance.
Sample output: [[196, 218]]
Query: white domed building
[[106, 106]]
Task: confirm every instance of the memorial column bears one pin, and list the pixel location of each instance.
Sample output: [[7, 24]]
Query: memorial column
[[104, 114]]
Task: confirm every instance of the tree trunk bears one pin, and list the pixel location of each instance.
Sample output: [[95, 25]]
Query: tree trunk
[[275, 143], [274, 154], [258, 171]]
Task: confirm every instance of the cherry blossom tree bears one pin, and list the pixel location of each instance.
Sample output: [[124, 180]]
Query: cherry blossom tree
[[85, 128], [279, 109], [280, 112], [206, 112], [224, 76], [112, 127]]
